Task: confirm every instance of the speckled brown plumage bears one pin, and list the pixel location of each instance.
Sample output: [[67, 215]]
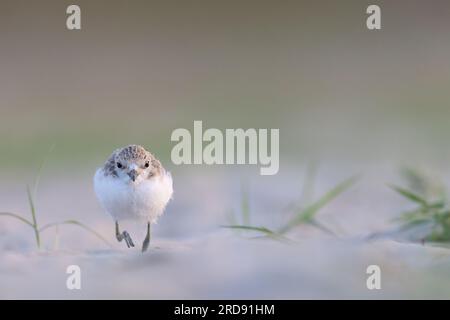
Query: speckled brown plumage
[[132, 153], [110, 166], [156, 168]]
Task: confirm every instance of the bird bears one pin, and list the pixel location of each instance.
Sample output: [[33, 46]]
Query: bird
[[133, 185]]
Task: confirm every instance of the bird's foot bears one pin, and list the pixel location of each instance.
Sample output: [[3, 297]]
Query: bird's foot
[[146, 242], [125, 236], [128, 239]]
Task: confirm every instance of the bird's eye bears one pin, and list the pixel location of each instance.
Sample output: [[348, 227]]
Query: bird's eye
[[147, 164], [119, 165]]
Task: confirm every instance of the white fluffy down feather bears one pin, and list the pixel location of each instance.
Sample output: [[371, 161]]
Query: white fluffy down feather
[[144, 201]]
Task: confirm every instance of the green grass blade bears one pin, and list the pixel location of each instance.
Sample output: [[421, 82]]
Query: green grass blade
[[416, 180], [440, 204], [33, 215], [32, 207], [410, 195], [79, 224], [267, 232], [40, 169], [424, 184], [413, 215], [275, 236], [16, 216], [250, 228], [309, 212]]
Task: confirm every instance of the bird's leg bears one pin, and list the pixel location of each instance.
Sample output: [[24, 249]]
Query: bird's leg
[[123, 236], [146, 242]]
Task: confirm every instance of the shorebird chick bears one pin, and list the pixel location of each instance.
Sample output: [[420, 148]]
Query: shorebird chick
[[133, 185]]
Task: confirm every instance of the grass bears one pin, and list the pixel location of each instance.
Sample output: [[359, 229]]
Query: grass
[[305, 215], [33, 223], [431, 206]]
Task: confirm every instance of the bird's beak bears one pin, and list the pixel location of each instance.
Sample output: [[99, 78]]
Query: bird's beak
[[133, 175]]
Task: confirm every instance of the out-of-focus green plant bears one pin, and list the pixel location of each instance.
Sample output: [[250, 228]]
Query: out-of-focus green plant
[[301, 215], [33, 223], [431, 205]]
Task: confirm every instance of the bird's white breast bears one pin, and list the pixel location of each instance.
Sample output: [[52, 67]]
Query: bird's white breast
[[145, 200]]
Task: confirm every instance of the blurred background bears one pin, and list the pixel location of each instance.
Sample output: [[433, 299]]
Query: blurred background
[[138, 70], [350, 99]]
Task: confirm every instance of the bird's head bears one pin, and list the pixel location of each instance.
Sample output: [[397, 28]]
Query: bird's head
[[134, 164]]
